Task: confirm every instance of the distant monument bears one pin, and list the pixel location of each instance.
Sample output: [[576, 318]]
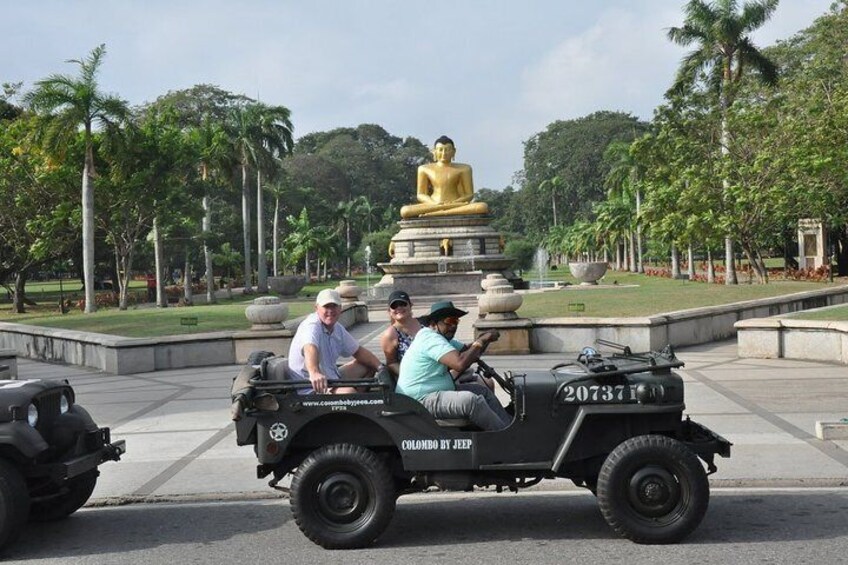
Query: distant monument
[[445, 244]]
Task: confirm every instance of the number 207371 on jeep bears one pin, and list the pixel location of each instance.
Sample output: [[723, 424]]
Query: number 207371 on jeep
[[613, 424]]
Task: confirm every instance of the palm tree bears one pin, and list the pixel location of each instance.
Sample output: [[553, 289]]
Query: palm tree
[[211, 143], [724, 52], [623, 180], [552, 184], [258, 133], [71, 102]]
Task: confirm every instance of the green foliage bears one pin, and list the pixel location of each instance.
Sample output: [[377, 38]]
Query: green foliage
[[522, 251]]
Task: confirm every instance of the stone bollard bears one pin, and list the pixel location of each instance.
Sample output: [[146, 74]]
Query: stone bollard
[[493, 279], [349, 291], [499, 302], [497, 308], [266, 313]]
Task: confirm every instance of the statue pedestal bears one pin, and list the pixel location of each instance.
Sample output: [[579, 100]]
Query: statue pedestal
[[444, 255]]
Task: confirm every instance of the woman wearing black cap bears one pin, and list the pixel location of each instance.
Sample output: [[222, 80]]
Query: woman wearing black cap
[[402, 328]]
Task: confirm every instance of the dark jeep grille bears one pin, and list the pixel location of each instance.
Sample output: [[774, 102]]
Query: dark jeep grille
[[48, 409]]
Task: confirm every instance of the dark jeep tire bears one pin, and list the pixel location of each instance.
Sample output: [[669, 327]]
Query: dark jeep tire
[[14, 503], [342, 496], [653, 489], [73, 495]]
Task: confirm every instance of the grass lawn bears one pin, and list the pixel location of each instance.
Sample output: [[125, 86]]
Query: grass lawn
[[835, 314], [148, 321], [652, 295]]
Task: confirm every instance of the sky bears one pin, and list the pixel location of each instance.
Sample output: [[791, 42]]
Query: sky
[[488, 73]]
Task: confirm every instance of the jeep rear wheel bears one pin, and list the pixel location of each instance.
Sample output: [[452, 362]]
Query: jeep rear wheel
[[653, 489], [67, 500], [14, 503], [342, 496]]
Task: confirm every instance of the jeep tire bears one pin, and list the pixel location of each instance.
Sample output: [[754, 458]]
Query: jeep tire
[[71, 497], [342, 496], [14, 503], [653, 489]]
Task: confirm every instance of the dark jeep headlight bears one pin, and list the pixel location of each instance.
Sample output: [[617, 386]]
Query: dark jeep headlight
[[32, 415], [64, 403]]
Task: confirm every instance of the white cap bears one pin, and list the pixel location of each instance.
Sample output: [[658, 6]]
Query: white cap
[[328, 296]]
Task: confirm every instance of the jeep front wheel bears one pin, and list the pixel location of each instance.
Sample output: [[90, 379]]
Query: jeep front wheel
[[653, 489], [14, 503], [67, 500], [342, 496]]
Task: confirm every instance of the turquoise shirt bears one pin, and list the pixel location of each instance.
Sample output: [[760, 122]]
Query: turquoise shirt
[[420, 370]]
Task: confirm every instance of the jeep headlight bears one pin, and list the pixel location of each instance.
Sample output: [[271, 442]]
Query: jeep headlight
[[32, 415], [64, 403]]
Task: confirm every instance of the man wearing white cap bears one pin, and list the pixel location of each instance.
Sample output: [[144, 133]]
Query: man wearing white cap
[[318, 344]]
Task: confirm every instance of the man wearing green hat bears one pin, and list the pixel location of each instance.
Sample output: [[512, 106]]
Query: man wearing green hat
[[425, 372]]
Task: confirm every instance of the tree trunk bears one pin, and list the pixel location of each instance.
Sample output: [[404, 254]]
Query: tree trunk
[[306, 265], [275, 236], [159, 260], [207, 251], [690, 256], [245, 222], [19, 300], [88, 231], [261, 260], [633, 267], [617, 255], [729, 263], [187, 292], [710, 267], [675, 262], [640, 268]]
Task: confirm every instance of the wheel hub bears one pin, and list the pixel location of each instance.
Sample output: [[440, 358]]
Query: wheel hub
[[341, 497], [653, 491]]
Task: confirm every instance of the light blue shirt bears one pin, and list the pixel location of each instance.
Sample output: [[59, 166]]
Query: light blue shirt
[[420, 370], [330, 346]]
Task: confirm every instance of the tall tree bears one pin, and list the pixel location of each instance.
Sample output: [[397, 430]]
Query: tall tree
[[70, 102], [258, 133], [723, 53]]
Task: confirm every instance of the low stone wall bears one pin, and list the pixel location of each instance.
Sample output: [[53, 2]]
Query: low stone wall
[[121, 355], [685, 327], [789, 338]]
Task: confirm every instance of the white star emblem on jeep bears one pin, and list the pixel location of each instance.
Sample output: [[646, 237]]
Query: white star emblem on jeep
[[278, 431]]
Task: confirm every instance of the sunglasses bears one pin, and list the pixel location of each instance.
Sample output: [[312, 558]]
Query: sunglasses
[[451, 321], [398, 304]]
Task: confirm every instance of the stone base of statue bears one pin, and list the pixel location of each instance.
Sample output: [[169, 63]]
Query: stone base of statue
[[444, 255]]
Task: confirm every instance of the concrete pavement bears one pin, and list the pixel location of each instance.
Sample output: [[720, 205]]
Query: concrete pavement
[[181, 443]]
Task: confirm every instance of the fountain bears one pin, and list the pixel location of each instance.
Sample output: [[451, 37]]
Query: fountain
[[469, 251], [540, 265], [367, 270]]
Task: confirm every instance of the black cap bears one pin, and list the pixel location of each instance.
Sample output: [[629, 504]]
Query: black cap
[[398, 295]]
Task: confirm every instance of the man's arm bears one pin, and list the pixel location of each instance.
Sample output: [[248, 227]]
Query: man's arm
[[456, 361], [365, 357], [311, 361]]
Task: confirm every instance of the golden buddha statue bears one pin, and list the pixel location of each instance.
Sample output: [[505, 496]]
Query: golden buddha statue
[[444, 188]]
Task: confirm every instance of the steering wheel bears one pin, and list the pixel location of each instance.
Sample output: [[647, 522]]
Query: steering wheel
[[486, 371]]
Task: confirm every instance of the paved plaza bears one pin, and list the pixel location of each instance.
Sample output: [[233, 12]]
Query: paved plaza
[[181, 443]]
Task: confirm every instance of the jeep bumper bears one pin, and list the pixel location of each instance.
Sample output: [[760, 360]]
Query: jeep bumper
[[99, 449]]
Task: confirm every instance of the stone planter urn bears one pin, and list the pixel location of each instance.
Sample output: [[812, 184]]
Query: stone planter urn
[[266, 313], [349, 291], [492, 279], [589, 272], [499, 302], [288, 285]]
